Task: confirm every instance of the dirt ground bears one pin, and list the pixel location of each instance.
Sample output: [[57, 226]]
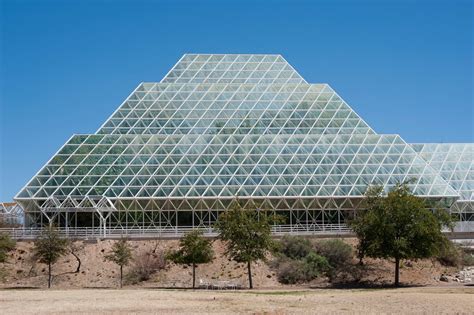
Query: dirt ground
[[90, 291], [95, 272], [425, 300]]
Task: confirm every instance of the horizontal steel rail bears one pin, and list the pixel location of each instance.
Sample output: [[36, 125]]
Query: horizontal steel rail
[[166, 232], [326, 230]]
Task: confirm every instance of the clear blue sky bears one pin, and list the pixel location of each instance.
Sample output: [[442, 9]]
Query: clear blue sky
[[405, 66]]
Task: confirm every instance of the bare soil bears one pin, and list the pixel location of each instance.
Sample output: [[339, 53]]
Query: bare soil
[[92, 289], [425, 300], [22, 271]]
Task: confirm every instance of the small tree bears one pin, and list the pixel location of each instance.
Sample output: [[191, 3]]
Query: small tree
[[194, 249], [6, 245], [121, 255], [145, 264], [74, 249], [247, 234], [49, 247], [399, 226]]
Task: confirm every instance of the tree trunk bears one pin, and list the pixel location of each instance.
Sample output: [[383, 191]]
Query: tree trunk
[[361, 254], [49, 275], [397, 272], [78, 269], [194, 275], [250, 275], [121, 275]]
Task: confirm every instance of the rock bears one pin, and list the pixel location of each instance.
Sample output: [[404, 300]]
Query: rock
[[444, 278]]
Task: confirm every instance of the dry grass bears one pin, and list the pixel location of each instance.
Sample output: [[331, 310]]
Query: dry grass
[[406, 301]]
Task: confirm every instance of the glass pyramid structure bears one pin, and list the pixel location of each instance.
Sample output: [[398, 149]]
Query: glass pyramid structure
[[455, 163], [219, 127]]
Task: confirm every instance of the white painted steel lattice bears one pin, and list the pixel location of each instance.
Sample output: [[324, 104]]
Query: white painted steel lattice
[[455, 163], [175, 153]]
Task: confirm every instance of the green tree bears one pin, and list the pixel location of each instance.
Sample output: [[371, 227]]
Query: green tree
[[399, 225], [49, 247], [6, 245], [193, 249], [121, 255], [247, 234]]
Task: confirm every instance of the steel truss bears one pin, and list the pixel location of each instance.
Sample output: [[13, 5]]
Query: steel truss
[[300, 215], [11, 213], [176, 153], [86, 212], [58, 210]]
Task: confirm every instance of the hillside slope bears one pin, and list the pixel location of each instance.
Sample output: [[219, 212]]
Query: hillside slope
[[96, 272]]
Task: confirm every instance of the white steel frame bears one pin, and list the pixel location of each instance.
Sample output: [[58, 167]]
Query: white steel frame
[[219, 127]]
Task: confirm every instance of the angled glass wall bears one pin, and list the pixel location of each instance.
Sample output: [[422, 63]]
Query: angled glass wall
[[455, 163], [177, 152]]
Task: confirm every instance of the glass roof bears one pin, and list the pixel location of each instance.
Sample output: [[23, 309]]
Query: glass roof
[[454, 162], [238, 69], [212, 128], [157, 108], [196, 166]]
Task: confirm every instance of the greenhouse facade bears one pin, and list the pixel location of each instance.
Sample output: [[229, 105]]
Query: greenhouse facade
[[217, 128]]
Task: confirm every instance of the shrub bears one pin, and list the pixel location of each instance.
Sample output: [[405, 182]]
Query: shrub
[[450, 255], [453, 255], [467, 258], [315, 265], [337, 252], [145, 265], [6, 245], [294, 247], [298, 262], [291, 271]]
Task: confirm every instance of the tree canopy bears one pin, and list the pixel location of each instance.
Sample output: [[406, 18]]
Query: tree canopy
[[247, 234], [193, 249], [399, 225], [49, 247], [121, 255]]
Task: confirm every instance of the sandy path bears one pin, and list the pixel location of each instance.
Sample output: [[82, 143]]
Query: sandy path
[[406, 300]]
